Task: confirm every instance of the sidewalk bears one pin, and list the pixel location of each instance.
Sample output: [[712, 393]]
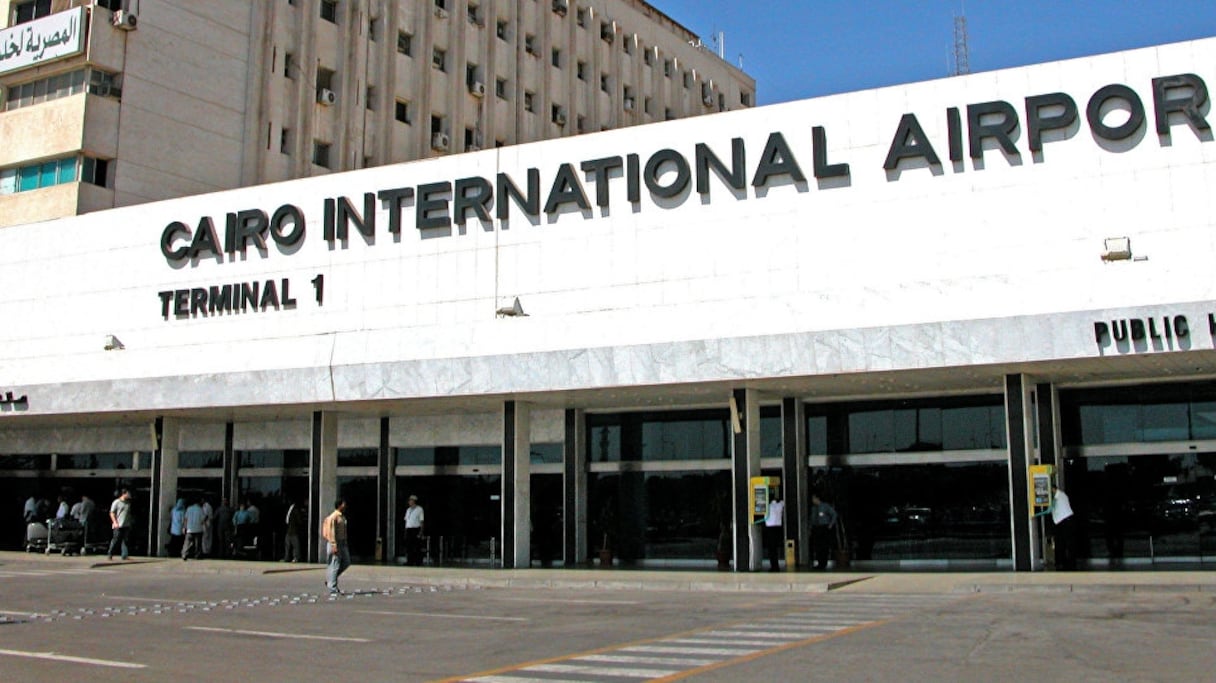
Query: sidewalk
[[696, 581]]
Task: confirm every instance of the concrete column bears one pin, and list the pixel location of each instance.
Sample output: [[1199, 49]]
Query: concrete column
[[386, 498], [745, 464], [1019, 421], [165, 468], [574, 484], [795, 477], [322, 477], [229, 487], [516, 486]]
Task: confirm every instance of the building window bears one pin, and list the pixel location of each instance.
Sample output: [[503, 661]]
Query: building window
[[373, 29], [627, 45], [54, 172], [557, 114], [325, 80], [117, 4], [500, 88], [500, 29], [320, 153], [607, 31], [745, 98], [605, 83], [687, 79], [628, 100], [555, 57], [581, 71], [669, 67], [54, 87], [439, 60], [289, 64], [401, 111], [441, 4], [285, 141], [581, 123], [436, 124], [647, 105], [474, 15], [329, 11], [403, 43], [668, 115], [530, 44], [28, 11], [370, 98], [580, 17], [470, 140], [529, 104], [648, 56]]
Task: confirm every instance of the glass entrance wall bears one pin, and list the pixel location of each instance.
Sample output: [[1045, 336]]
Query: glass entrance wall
[[1140, 471], [659, 487], [916, 481]]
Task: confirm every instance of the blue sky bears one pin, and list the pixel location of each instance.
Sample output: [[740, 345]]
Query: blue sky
[[797, 49]]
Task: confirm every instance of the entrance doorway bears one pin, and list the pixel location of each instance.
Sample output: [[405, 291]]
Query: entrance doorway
[[1157, 508]]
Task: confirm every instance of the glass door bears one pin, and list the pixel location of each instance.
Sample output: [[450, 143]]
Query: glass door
[[1158, 507]]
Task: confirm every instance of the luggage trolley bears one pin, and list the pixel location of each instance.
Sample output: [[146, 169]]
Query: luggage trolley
[[64, 536]]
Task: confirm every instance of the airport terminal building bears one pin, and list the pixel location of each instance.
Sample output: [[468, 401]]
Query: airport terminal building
[[901, 299]]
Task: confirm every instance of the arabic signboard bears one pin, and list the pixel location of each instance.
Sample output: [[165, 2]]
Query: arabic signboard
[[43, 40]]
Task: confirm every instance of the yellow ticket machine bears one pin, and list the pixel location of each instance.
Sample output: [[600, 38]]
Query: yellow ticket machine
[[763, 491], [1041, 477]]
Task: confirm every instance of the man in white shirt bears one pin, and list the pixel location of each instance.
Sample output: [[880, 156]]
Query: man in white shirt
[[196, 524], [774, 532], [1065, 530], [414, 520]]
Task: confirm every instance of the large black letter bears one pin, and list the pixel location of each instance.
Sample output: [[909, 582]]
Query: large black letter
[[910, 142], [1188, 104], [1036, 123]]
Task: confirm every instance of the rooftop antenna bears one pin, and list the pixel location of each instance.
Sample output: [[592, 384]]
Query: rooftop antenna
[[962, 57]]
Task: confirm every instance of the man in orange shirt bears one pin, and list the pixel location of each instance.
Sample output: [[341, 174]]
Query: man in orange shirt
[[337, 550]]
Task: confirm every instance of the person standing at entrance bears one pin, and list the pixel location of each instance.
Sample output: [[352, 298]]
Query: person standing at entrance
[[823, 530], [774, 532], [295, 530], [195, 525], [120, 523], [1065, 531], [338, 552], [414, 520]]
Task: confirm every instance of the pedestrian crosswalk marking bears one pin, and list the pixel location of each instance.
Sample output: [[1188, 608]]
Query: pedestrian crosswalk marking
[[718, 646]]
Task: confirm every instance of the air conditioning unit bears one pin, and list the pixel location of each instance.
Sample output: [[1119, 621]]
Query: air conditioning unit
[[560, 118], [124, 19], [440, 141], [477, 89], [628, 104], [441, 13], [327, 97], [708, 99], [474, 148], [608, 31], [561, 6]]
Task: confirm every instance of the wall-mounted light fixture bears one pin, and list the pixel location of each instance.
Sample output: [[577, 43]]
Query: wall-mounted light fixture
[[112, 343], [515, 310], [1116, 249]]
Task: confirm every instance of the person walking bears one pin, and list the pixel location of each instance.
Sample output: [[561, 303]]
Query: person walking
[[337, 551], [774, 532], [195, 525], [292, 552], [823, 530], [414, 521], [120, 523]]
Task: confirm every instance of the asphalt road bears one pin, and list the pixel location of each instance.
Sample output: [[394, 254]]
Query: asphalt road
[[160, 622]]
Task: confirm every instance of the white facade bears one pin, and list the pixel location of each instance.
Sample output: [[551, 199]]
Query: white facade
[[983, 262], [917, 279]]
